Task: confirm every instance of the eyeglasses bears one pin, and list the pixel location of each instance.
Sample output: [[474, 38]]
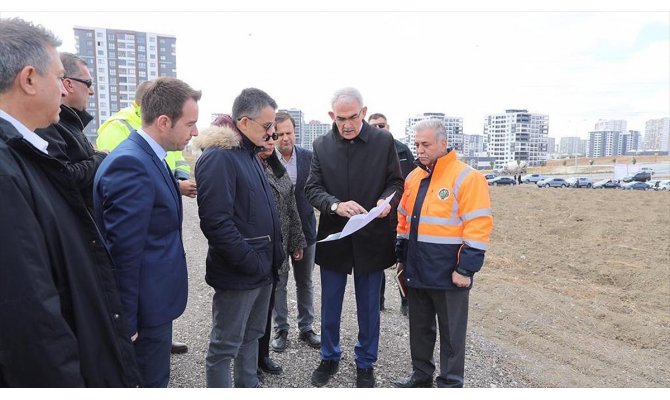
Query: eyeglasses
[[87, 82], [381, 125], [341, 120], [267, 126], [274, 136]]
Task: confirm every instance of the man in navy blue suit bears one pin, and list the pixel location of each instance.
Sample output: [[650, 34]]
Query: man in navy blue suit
[[138, 207]]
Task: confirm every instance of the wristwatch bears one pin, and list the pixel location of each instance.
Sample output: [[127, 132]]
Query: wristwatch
[[333, 207]]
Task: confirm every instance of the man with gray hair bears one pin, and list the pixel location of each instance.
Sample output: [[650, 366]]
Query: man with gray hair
[[444, 225], [62, 318], [239, 218], [354, 168], [67, 141]]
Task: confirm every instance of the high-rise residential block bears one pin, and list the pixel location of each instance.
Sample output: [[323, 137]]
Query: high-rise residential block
[[119, 60], [516, 135]]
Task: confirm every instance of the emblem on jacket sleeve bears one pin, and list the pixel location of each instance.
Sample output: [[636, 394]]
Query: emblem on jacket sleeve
[[443, 194]]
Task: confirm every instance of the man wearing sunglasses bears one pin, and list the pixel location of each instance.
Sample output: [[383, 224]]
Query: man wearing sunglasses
[[67, 142], [239, 218], [354, 168], [406, 159]]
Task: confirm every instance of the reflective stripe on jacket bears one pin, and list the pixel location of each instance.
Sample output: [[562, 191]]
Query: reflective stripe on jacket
[[445, 216], [117, 129]]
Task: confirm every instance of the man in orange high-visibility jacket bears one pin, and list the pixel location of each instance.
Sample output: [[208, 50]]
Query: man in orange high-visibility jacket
[[444, 224]]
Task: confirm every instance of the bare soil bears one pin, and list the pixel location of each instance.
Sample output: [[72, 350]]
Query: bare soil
[[577, 284], [574, 292]]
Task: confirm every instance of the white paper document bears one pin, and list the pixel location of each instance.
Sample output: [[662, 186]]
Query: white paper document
[[359, 221]]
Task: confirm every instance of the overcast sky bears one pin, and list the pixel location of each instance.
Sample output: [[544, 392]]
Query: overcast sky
[[574, 66]]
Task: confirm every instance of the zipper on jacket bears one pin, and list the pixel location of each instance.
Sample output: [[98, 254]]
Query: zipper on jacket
[[259, 237]]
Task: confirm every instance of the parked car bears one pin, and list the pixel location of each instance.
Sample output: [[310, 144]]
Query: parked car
[[580, 182], [653, 183], [663, 185], [553, 182], [532, 178], [639, 177], [635, 185], [489, 176], [607, 184], [502, 180], [647, 169]]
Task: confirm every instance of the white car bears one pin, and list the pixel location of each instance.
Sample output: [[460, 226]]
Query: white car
[[663, 185]]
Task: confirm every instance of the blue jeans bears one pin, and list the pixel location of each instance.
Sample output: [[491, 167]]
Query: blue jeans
[[302, 273], [367, 287], [239, 318]]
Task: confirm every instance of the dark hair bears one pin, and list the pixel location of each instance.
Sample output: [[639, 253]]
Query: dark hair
[[282, 116], [224, 120], [377, 115], [251, 102], [166, 96]]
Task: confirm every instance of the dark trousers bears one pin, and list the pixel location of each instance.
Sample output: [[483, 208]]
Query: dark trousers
[[264, 341], [451, 309], [403, 300], [367, 287], [152, 350]]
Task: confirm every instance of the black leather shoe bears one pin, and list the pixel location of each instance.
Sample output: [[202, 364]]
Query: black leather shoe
[[266, 364], [280, 342], [411, 382], [324, 371], [311, 338], [365, 377], [179, 348]]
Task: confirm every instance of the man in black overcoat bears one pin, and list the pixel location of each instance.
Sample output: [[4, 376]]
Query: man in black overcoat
[[354, 168]]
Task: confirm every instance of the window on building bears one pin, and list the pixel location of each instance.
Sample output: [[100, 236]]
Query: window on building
[[89, 34], [101, 52], [111, 46]]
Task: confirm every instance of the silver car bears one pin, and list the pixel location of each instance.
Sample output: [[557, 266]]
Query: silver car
[[553, 182]]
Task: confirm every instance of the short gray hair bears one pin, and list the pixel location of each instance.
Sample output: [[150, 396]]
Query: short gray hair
[[22, 44], [347, 94], [251, 102], [434, 124], [71, 63]]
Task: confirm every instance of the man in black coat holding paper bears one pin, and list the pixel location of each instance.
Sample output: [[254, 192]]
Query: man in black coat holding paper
[[354, 168]]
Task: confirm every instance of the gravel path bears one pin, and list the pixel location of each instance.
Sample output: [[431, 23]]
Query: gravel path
[[487, 364]]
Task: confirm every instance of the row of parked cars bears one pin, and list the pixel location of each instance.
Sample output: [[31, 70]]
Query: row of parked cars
[[635, 182]]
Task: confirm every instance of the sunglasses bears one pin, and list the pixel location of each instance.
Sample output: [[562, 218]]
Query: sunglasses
[[380, 125], [274, 136], [87, 82], [266, 126]]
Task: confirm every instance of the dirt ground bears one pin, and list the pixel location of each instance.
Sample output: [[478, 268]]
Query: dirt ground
[[576, 284]]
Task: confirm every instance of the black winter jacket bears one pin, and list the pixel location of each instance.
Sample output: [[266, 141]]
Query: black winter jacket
[[365, 170], [237, 212], [69, 145], [61, 319]]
